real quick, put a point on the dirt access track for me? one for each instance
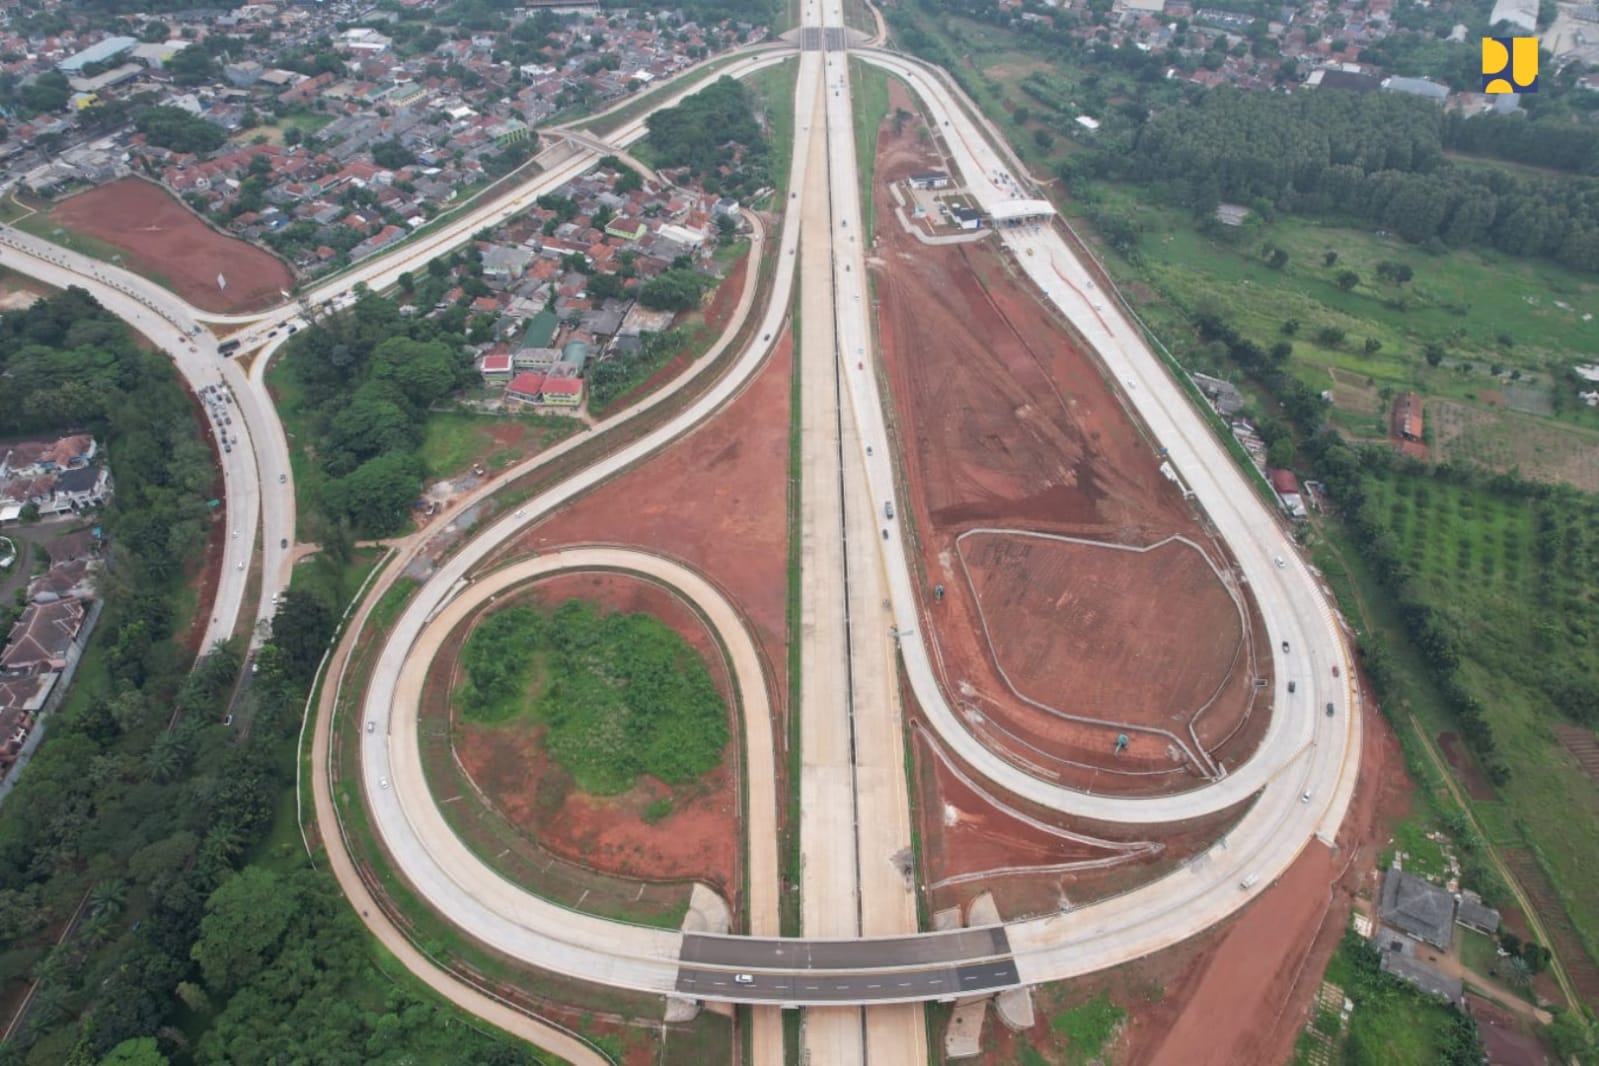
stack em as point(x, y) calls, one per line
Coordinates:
point(1007, 426)
point(161, 239)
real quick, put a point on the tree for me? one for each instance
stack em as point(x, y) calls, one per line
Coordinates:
point(1277, 258)
point(245, 921)
point(191, 66)
point(175, 128)
point(292, 136)
point(1348, 279)
point(1281, 351)
point(140, 1051)
point(1372, 346)
point(301, 630)
point(376, 497)
point(675, 290)
point(1290, 327)
point(1021, 115)
point(1434, 354)
point(1330, 336)
point(108, 897)
point(1328, 258)
point(392, 155)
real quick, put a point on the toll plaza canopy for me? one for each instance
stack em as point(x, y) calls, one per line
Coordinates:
point(1021, 210)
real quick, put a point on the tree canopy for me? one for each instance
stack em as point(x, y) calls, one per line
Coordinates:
point(175, 128)
point(1377, 156)
point(713, 133)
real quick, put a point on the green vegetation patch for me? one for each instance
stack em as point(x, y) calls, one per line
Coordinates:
point(714, 136)
point(619, 694)
point(1087, 1028)
point(1394, 1023)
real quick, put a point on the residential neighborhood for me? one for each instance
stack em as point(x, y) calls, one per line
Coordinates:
point(43, 644)
point(324, 133)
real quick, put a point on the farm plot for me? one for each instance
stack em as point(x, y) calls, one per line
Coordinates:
point(1583, 745)
point(1505, 440)
point(1568, 945)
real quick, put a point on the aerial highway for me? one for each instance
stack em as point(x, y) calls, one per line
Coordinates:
point(1300, 779)
point(1303, 773)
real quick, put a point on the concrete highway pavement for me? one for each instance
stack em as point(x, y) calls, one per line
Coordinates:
point(882, 831)
point(166, 327)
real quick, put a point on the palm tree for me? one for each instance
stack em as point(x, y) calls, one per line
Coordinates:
point(1519, 973)
point(165, 758)
point(107, 898)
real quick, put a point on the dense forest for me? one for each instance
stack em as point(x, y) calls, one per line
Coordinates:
point(713, 135)
point(1376, 157)
point(368, 376)
point(125, 885)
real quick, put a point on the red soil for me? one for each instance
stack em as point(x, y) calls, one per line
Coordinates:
point(161, 238)
point(1071, 606)
point(698, 839)
point(968, 830)
point(715, 501)
point(1256, 988)
point(1004, 422)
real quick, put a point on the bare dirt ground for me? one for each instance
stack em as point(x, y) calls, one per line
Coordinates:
point(716, 501)
point(1004, 422)
point(161, 238)
point(699, 839)
point(1071, 606)
point(1034, 860)
point(1257, 991)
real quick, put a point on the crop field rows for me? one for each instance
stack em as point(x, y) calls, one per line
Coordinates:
point(1568, 945)
point(1583, 745)
point(1454, 537)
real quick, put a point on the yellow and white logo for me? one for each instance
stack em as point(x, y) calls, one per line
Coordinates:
point(1510, 64)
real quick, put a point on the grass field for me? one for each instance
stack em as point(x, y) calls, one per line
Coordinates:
point(1087, 1027)
point(1504, 405)
point(453, 441)
point(869, 85)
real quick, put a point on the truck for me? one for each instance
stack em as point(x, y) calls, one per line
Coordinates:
point(1249, 882)
point(888, 509)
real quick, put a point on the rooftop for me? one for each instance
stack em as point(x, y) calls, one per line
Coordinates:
point(1417, 907)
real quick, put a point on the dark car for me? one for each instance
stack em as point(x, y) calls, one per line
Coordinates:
point(1329, 710)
